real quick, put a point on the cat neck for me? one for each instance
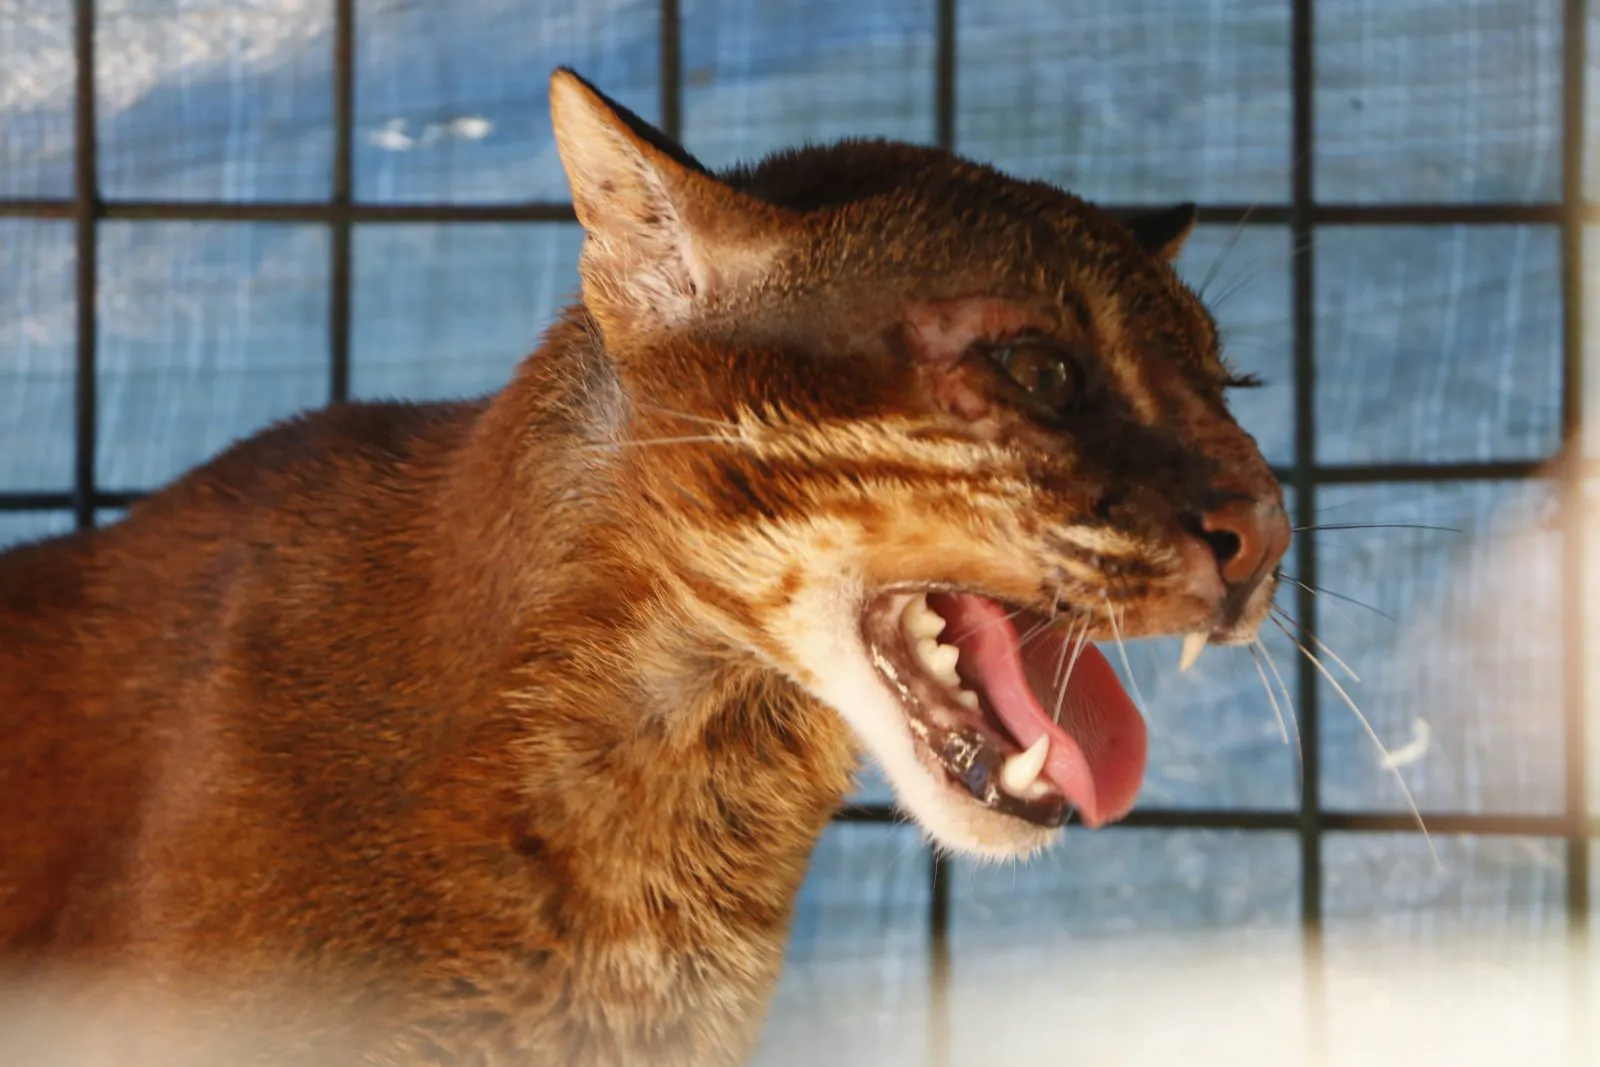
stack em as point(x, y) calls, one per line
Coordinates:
point(657, 760)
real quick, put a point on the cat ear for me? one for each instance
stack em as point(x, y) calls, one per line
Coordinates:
point(1164, 232)
point(665, 237)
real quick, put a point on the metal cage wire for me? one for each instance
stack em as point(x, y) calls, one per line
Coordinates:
point(1303, 215)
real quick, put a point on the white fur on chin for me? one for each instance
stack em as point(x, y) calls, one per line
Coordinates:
point(825, 640)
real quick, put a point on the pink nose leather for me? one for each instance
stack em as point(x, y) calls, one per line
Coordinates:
point(1248, 538)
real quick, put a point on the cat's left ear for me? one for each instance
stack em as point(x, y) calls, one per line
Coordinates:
point(665, 237)
point(1163, 233)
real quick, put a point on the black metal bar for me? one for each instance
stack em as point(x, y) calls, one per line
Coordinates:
point(1391, 214)
point(63, 501)
point(938, 959)
point(944, 74)
point(38, 209)
point(546, 211)
point(1289, 820)
point(671, 69)
point(1302, 223)
point(344, 61)
point(36, 501)
point(1574, 644)
point(85, 210)
point(1434, 214)
point(1485, 824)
point(1572, 393)
point(1492, 470)
point(292, 211)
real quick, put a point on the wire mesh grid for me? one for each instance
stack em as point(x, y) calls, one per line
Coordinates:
point(1315, 226)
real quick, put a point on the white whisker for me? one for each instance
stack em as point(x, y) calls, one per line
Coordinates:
point(1259, 268)
point(1288, 703)
point(1233, 239)
point(1127, 668)
point(1034, 631)
point(1314, 592)
point(1061, 662)
point(910, 846)
point(1077, 650)
point(1399, 778)
point(1272, 698)
point(1354, 677)
point(981, 627)
point(651, 442)
point(721, 424)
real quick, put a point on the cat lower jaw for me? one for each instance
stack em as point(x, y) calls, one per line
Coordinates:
point(853, 654)
point(958, 738)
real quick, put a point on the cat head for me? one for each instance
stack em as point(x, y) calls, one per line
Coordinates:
point(920, 435)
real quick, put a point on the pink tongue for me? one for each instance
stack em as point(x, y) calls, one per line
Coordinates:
point(1097, 752)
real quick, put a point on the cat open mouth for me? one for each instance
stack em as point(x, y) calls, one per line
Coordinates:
point(1033, 728)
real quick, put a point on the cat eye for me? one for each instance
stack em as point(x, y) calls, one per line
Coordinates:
point(1047, 372)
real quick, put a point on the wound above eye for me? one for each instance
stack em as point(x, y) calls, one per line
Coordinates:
point(942, 332)
point(941, 335)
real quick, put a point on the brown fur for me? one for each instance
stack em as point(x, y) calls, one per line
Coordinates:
point(476, 732)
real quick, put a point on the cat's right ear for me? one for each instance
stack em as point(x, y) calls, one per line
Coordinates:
point(665, 238)
point(1164, 232)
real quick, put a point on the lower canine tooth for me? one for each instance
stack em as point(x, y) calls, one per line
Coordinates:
point(1041, 788)
point(1193, 645)
point(967, 698)
point(1022, 769)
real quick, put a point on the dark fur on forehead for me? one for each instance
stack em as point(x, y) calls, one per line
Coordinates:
point(817, 177)
point(851, 172)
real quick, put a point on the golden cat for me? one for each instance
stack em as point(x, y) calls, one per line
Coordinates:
point(501, 732)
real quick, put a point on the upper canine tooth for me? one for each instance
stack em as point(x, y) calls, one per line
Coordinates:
point(1193, 645)
point(920, 620)
point(1022, 769)
point(940, 659)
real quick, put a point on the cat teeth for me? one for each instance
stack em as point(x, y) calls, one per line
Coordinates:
point(1193, 645)
point(922, 627)
point(919, 620)
point(1041, 788)
point(940, 660)
point(1021, 771)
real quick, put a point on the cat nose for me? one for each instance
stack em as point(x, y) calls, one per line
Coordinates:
point(1247, 537)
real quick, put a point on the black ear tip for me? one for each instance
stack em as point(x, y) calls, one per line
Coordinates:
point(640, 128)
point(1162, 231)
point(565, 71)
point(567, 74)
point(1184, 214)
